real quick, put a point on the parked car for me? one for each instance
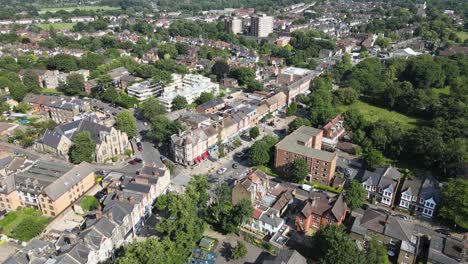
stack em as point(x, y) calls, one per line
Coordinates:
point(404, 217)
point(140, 147)
point(145, 124)
point(240, 154)
point(222, 170)
point(163, 158)
point(443, 232)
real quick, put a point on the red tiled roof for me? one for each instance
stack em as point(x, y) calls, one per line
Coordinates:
point(257, 213)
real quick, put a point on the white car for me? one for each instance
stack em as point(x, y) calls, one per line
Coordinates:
point(145, 124)
point(222, 170)
point(137, 140)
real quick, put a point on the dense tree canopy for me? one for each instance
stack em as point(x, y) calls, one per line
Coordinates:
point(355, 195)
point(125, 122)
point(83, 148)
point(454, 207)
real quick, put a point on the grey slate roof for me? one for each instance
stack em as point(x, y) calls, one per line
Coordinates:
point(60, 186)
point(270, 218)
point(93, 128)
point(119, 210)
point(390, 226)
point(446, 250)
point(286, 257)
point(385, 177)
point(304, 133)
point(51, 138)
point(212, 103)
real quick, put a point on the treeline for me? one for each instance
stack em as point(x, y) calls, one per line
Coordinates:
point(202, 5)
point(413, 87)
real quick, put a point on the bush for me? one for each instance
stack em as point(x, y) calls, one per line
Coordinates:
point(28, 228)
point(128, 152)
point(239, 251)
point(89, 203)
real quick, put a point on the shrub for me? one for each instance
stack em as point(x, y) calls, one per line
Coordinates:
point(89, 203)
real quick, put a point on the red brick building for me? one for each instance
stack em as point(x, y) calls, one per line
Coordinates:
point(305, 143)
point(321, 209)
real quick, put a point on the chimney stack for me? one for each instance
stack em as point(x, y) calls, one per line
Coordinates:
point(131, 199)
point(110, 216)
point(120, 197)
point(98, 214)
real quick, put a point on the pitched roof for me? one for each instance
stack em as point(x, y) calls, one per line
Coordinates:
point(63, 184)
point(51, 138)
point(95, 129)
point(320, 203)
point(387, 225)
point(287, 257)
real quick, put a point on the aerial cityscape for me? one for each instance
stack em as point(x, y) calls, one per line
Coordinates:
point(231, 132)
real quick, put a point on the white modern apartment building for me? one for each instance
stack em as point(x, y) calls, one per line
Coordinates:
point(190, 86)
point(144, 90)
point(233, 25)
point(261, 26)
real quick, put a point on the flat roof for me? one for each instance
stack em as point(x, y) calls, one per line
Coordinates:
point(304, 133)
point(295, 71)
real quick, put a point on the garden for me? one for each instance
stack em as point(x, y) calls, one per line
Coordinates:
point(23, 224)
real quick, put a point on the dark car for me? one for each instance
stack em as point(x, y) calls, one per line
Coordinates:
point(443, 232)
point(404, 217)
point(140, 147)
point(163, 158)
point(138, 160)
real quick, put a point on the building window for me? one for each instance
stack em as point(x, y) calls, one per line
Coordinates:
point(52, 213)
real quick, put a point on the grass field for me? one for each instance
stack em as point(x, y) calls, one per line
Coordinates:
point(373, 114)
point(58, 26)
point(463, 35)
point(444, 91)
point(12, 219)
point(71, 8)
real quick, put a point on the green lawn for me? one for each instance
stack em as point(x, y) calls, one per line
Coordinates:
point(58, 26)
point(463, 35)
point(445, 91)
point(14, 218)
point(51, 91)
point(71, 8)
point(267, 170)
point(373, 114)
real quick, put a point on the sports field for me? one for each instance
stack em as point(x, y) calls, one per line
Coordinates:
point(71, 8)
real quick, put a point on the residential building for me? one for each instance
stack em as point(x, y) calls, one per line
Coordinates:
point(61, 109)
point(253, 187)
point(233, 25)
point(265, 220)
point(320, 209)
point(381, 185)
point(447, 250)
point(295, 81)
point(144, 90)
point(212, 106)
point(190, 86)
point(191, 147)
point(332, 132)
point(110, 142)
point(276, 102)
point(47, 78)
point(305, 143)
point(52, 187)
point(261, 25)
point(395, 233)
point(286, 256)
point(283, 41)
point(420, 196)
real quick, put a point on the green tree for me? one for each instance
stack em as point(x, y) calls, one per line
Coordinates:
point(220, 69)
point(31, 81)
point(254, 132)
point(347, 96)
point(91, 61)
point(292, 109)
point(454, 205)
point(253, 86)
point(297, 123)
point(204, 97)
point(74, 84)
point(151, 108)
point(242, 74)
point(335, 247)
point(162, 129)
point(299, 171)
point(89, 203)
point(22, 107)
point(373, 159)
point(62, 62)
point(355, 195)
point(110, 95)
point(383, 42)
point(377, 252)
point(179, 102)
point(259, 153)
point(28, 228)
point(162, 76)
point(125, 122)
point(126, 101)
point(83, 148)
point(239, 251)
